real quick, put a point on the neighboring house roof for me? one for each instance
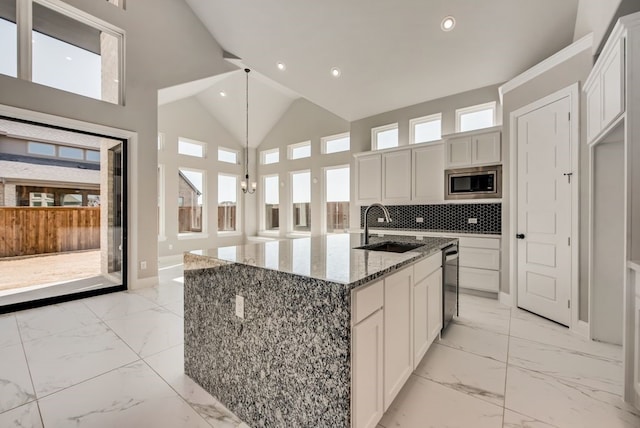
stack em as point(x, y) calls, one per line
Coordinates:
point(66, 163)
point(189, 183)
point(17, 171)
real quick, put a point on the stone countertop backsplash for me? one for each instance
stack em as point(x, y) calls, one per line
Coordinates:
point(329, 258)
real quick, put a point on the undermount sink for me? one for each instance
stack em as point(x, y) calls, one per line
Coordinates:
point(390, 247)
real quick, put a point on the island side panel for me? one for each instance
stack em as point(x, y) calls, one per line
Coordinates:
point(287, 363)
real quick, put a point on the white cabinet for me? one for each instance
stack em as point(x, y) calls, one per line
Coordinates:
point(479, 264)
point(473, 148)
point(427, 313)
point(367, 402)
point(427, 182)
point(396, 176)
point(368, 179)
point(398, 332)
point(605, 90)
point(434, 304)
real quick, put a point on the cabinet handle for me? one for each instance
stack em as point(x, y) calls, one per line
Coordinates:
point(520, 236)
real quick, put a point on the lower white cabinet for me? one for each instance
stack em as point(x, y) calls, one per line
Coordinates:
point(367, 372)
point(427, 314)
point(479, 264)
point(398, 332)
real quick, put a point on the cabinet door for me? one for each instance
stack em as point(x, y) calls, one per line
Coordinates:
point(398, 333)
point(369, 179)
point(458, 152)
point(479, 279)
point(483, 258)
point(421, 330)
point(367, 401)
point(594, 111)
point(613, 85)
point(485, 149)
point(434, 299)
point(428, 173)
point(396, 177)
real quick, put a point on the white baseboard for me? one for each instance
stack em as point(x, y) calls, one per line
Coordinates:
point(140, 283)
point(505, 299)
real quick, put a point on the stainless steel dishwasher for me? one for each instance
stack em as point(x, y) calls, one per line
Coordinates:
point(449, 284)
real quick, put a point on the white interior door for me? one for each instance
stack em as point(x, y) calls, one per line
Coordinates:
point(544, 211)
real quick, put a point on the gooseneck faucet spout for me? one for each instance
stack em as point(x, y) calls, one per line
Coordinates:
point(387, 218)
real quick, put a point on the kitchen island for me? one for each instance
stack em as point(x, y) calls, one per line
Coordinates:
point(268, 326)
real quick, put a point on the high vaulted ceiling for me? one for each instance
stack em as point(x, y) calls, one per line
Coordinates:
point(392, 53)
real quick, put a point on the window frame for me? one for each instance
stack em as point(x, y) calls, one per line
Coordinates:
point(196, 143)
point(474, 109)
point(420, 120)
point(329, 138)
point(264, 153)
point(162, 204)
point(262, 210)
point(291, 225)
point(236, 153)
point(238, 229)
point(324, 196)
point(205, 205)
point(379, 129)
point(292, 147)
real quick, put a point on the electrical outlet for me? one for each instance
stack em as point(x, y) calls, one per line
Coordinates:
point(473, 221)
point(419, 220)
point(143, 265)
point(239, 306)
point(380, 220)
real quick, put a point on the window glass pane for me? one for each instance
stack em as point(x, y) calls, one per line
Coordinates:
point(190, 200)
point(93, 200)
point(299, 152)
point(70, 153)
point(227, 198)
point(41, 149)
point(72, 200)
point(8, 38)
point(271, 201)
point(190, 148)
point(227, 156)
point(93, 155)
point(41, 200)
point(271, 156)
point(428, 131)
point(476, 120)
point(301, 186)
point(337, 185)
point(387, 139)
point(337, 145)
point(73, 56)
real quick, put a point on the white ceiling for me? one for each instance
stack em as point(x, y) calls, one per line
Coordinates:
point(392, 53)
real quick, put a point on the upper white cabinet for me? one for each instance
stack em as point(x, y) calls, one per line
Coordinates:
point(427, 181)
point(473, 148)
point(605, 89)
point(396, 176)
point(368, 179)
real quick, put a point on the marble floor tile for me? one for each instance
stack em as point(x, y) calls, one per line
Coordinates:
point(9, 334)
point(163, 294)
point(422, 404)
point(492, 318)
point(15, 382)
point(68, 358)
point(169, 365)
point(150, 331)
point(176, 307)
point(472, 374)
point(516, 420)
point(531, 327)
point(117, 305)
point(26, 416)
point(585, 369)
point(476, 340)
point(565, 404)
point(48, 320)
point(132, 396)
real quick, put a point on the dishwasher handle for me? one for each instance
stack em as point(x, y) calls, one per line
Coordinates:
point(451, 253)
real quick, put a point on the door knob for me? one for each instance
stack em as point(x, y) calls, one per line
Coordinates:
point(520, 236)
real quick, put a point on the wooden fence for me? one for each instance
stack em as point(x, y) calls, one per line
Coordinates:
point(28, 231)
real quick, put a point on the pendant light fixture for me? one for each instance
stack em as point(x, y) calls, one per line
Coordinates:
point(244, 183)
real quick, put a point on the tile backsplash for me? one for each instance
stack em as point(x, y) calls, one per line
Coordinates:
point(441, 217)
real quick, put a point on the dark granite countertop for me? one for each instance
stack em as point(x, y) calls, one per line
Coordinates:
point(330, 258)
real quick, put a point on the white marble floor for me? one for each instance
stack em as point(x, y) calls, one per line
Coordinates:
point(116, 361)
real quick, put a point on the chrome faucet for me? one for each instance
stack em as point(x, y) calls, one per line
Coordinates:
point(387, 218)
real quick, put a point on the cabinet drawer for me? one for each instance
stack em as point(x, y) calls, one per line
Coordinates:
point(479, 279)
point(480, 258)
point(466, 242)
point(367, 300)
point(424, 268)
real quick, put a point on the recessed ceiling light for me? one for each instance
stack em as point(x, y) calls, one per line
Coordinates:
point(335, 72)
point(281, 66)
point(223, 94)
point(448, 23)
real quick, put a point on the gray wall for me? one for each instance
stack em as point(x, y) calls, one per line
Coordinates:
point(303, 121)
point(189, 119)
point(575, 69)
point(594, 17)
point(166, 45)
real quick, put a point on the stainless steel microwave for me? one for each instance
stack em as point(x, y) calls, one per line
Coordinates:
point(482, 182)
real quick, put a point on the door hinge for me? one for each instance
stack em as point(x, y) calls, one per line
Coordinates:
point(569, 241)
point(569, 304)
